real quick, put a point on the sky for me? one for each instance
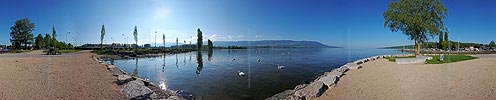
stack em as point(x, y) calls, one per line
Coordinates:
point(343, 23)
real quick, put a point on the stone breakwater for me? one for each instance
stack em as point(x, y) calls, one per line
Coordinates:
point(326, 81)
point(135, 87)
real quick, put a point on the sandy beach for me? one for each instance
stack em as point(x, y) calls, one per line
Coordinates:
point(384, 80)
point(32, 75)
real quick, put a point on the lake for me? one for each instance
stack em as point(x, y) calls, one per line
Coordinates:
point(214, 75)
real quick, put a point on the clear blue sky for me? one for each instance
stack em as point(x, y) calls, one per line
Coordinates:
point(354, 23)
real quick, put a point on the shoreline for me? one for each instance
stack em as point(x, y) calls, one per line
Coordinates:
point(154, 91)
point(382, 79)
point(326, 81)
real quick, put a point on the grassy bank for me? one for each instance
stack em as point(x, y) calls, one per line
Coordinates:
point(393, 59)
point(449, 59)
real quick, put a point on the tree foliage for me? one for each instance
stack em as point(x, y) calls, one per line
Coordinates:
point(200, 39)
point(492, 45)
point(135, 34)
point(53, 41)
point(47, 41)
point(210, 44)
point(163, 39)
point(416, 18)
point(102, 35)
point(21, 33)
point(441, 40)
point(39, 42)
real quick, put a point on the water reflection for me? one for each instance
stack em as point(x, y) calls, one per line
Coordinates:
point(199, 60)
point(177, 66)
point(210, 53)
point(135, 71)
point(163, 65)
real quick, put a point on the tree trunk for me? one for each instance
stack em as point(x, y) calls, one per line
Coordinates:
point(417, 51)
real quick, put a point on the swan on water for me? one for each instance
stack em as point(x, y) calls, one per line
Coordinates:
point(240, 73)
point(280, 66)
point(258, 60)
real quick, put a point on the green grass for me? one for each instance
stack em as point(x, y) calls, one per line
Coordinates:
point(393, 59)
point(449, 59)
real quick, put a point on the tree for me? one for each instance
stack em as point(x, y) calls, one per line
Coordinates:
point(440, 43)
point(446, 40)
point(21, 33)
point(492, 45)
point(135, 34)
point(39, 41)
point(47, 40)
point(210, 45)
point(199, 40)
point(416, 19)
point(54, 41)
point(102, 35)
point(163, 39)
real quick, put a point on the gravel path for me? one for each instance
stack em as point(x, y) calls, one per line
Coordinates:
point(30, 76)
point(384, 80)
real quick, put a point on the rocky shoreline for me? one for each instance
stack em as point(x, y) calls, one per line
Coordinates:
point(135, 87)
point(326, 81)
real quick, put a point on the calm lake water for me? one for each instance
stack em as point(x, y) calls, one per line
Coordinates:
point(214, 75)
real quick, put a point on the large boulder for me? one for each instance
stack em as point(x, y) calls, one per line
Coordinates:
point(331, 78)
point(116, 72)
point(353, 66)
point(342, 69)
point(313, 90)
point(111, 67)
point(121, 79)
point(135, 90)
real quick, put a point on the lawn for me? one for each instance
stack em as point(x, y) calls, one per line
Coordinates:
point(393, 59)
point(449, 59)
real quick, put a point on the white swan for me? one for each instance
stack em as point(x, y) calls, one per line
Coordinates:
point(280, 66)
point(240, 73)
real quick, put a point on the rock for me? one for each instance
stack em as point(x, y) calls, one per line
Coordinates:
point(329, 80)
point(175, 98)
point(111, 67)
point(343, 69)
point(116, 72)
point(185, 94)
point(281, 96)
point(300, 86)
point(121, 79)
point(134, 90)
point(145, 82)
point(358, 62)
point(311, 91)
point(353, 66)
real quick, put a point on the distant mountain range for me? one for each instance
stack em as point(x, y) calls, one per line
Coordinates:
point(274, 43)
point(261, 43)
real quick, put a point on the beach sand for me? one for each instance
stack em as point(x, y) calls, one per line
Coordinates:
point(384, 80)
point(32, 75)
